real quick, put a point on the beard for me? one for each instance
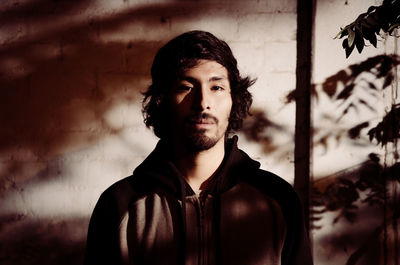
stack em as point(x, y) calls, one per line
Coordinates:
point(197, 141)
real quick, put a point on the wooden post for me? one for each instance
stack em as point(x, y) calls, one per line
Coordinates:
point(303, 132)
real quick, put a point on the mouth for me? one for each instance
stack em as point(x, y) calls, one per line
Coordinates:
point(202, 121)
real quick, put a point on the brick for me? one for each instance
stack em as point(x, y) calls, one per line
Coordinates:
point(136, 28)
point(91, 57)
point(267, 27)
point(22, 60)
point(138, 56)
point(125, 87)
point(124, 94)
point(219, 22)
point(249, 56)
point(63, 82)
point(280, 57)
point(282, 6)
point(12, 30)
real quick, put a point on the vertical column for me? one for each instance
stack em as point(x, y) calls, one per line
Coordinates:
point(302, 152)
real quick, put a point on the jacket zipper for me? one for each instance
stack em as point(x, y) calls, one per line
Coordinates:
point(202, 238)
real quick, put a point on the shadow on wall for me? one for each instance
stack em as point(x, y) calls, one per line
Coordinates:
point(40, 242)
point(61, 72)
point(361, 203)
point(356, 210)
point(59, 77)
point(364, 207)
point(258, 128)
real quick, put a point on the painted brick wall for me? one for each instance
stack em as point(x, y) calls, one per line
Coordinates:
point(355, 234)
point(71, 78)
point(72, 73)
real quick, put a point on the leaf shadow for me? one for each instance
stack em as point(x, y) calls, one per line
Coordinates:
point(61, 79)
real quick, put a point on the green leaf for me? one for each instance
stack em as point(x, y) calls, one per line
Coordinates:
point(359, 42)
point(351, 37)
point(369, 34)
point(345, 43)
point(372, 20)
point(373, 40)
point(385, 17)
point(346, 47)
point(371, 9)
point(343, 32)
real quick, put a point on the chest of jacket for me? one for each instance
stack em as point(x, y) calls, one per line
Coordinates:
point(241, 226)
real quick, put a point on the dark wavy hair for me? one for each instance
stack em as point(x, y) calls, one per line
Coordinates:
point(181, 53)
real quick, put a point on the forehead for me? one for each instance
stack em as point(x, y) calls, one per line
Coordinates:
point(204, 68)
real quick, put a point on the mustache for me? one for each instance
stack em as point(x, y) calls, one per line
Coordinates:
point(201, 118)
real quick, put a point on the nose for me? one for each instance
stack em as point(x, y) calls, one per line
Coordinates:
point(201, 99)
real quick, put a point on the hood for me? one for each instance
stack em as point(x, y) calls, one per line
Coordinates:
point(159, 171)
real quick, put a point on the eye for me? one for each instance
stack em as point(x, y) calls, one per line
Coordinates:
point(183, 87)
point(217, 88)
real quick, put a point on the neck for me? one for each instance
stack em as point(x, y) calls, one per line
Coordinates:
point(198, 167)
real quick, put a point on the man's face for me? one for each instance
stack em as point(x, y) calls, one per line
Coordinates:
point(200, 102)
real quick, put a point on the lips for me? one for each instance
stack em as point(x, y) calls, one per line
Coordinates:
point(202, 119)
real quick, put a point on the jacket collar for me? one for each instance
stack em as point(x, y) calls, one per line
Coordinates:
point(158, 169)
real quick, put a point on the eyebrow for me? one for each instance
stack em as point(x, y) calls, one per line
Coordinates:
point(213, 78)
point(217, 78)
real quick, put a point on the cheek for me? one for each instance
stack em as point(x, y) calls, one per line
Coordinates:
point(175, 104)
point(180, 102)
point(226, 108)
point(178, 99)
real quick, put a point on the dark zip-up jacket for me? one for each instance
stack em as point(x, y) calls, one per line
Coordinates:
point(246, 216)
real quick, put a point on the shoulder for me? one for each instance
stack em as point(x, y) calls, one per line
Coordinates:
point(275, 187)
point(122, 193)
point(296, 248)
point(270, 183)
point(121, 188)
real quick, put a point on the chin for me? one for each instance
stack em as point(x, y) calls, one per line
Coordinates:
point(198, 142)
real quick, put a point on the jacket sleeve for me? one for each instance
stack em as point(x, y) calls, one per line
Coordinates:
point(296, 249)
point(102, 246)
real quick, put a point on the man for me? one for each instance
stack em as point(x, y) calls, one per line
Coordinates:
point(197, 198)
